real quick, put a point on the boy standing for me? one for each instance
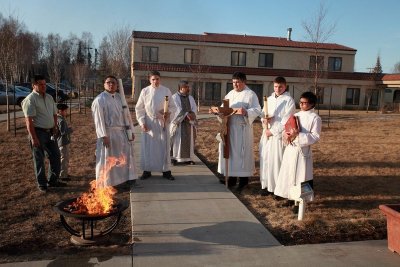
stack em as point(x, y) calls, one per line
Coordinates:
point(280, 107)
point(63, 140)
point(297, 162)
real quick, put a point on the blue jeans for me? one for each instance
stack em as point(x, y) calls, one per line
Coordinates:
point(50, 149)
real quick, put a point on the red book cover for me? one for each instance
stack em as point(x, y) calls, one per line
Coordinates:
point(292, 123)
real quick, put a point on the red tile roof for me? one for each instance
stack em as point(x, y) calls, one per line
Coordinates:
point(391, 77)
point(249, 71)
point(237, 39)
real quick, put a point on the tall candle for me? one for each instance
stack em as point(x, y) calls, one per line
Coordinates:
point(166, 104)
point(265, 107)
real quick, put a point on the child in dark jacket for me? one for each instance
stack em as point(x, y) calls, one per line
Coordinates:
point(63, 140)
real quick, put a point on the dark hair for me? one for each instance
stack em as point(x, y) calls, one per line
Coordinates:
point(182, 83)
point(239, 76)
point(111, 77)
point(38, 77)
point(62, 106)
point(280, 79)
point(154, 73)
point(311, 98)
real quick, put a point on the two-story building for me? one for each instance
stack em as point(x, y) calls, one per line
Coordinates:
point(208, 61)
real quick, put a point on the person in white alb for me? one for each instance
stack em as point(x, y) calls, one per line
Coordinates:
point(154, 122)
point(280, 107)
point(297, 162)
point(183, 125)
point(241, 153)
point(115, 159)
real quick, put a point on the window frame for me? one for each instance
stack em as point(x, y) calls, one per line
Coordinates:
point(332, 61)
point(237, 58)
point(266, 61)
point(149, 53)
point(354, 100)
point(320, 62)
point(192, 59)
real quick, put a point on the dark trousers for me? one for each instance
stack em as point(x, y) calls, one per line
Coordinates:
point(50, 149)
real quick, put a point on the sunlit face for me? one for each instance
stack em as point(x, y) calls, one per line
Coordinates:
point(279, 88)
point(64, 112)
point(185, 90)
point(154, 81)
point(304, 104)
point(110, 85)
point(238, 85)
point(40, 86)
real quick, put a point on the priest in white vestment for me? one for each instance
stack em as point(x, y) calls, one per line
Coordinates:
point(115, 159)
point(280, 107)
point(183, 126)
point(241, 153)
point(154, 122)
point(297, 162)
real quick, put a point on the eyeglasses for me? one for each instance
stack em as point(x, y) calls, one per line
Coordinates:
point(303, 103)
point(110, 82)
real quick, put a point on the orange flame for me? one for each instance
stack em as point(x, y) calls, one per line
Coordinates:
point(99, 200)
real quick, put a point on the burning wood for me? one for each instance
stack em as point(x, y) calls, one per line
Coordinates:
point(99, 200)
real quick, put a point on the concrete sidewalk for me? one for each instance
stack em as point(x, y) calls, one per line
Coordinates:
point(196, 221)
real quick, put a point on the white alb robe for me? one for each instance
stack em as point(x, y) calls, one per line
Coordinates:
point(109, 121)
point(155, 144)
point(241, 152)
point(177, 120)
point(297, 162)
point(271, 149)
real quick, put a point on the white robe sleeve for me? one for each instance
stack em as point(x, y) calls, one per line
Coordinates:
point(290, 107)
point(309, 138)
point(254, 109)
point(140, 108)
point(99, 120)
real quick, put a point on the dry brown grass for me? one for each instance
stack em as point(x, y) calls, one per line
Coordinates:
point(29, 228)
point(356, 168)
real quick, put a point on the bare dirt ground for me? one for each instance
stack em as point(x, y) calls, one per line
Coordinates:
point(356, 168)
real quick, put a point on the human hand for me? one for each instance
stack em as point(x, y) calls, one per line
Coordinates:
point(144, 128)
point(268, 133)
point(241, 111)
point(106, 141)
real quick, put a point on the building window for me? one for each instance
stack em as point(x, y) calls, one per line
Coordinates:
point(149, 54)
point(212, 91)
point(372, 96)
point(353, 96)
point(192, 56)
point(316, 64)
point(266, 60)
point(238, 58)
point(334, 64)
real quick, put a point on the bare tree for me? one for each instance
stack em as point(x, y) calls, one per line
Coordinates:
point(396, 68)
point(318, 31)
point(53, 48)
point(9, 50)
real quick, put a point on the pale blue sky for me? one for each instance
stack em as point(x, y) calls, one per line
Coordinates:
point(371, 27)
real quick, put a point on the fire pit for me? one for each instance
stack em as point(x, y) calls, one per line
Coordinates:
point(88, 234)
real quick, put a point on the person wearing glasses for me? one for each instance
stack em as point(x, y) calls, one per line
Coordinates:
point(154, 110)
point(41, 122)
point(115, 159)
point(280, 107)
point(297, 161)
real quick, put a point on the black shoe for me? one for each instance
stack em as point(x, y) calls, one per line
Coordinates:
point(221, 180)
point(174, 162)
point(191, 163)
point(243, 182)
point(56, 184)
point(295, 209)
point(168, 175)
point(43, 189)
point(288, 203)
point(278, 198)
point(264, 192)
point(232, 181)
point(145, 175)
